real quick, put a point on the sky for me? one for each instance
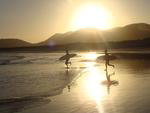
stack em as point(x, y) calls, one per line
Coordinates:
point(37, 20)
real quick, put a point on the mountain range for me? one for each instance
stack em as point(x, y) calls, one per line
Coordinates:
point(130, 32)
point(135, 35)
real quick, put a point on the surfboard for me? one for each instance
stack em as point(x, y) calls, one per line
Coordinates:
point(111, 57)
point(67, 56)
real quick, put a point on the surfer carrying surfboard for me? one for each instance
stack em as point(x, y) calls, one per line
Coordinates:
point(67, 58)
point(107, 59)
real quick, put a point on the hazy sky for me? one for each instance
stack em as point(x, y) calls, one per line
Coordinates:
point(36, 20)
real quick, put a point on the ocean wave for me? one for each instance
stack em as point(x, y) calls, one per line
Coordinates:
point(27, 60)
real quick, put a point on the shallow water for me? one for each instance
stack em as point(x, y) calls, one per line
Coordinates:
point(40, 83)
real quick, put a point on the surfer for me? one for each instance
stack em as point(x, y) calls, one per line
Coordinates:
point(67, 58)
point(107, 59)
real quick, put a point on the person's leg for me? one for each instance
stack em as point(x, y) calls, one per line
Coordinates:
point(111, 65)
point(66, 62)
point(69, 62)
point(105, 66)
point(107, 76)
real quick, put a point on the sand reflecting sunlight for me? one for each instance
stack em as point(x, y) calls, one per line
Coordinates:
point(90, 55)
point(93, 77)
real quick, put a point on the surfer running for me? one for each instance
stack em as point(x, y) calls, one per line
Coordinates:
point(107, 58)
point(67, 59)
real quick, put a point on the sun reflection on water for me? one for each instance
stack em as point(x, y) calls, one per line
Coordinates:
point(90, 55)
point(93, 77)
point(93, 83)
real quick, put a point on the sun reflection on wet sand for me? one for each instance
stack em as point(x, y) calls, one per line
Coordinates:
point(94, 75)
point(90, 55)
point(93, 83)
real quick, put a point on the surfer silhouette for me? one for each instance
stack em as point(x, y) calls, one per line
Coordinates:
point(107, 59)
point(109, 82)
point(67, 58)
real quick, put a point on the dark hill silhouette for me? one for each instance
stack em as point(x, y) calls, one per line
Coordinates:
point(89, 35)
point(10, 43)
point(86, 35)
point(130, 36)
point(129, 32)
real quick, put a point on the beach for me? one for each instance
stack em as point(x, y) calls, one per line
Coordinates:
point(40, 83)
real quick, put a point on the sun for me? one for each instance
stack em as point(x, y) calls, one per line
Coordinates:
point(92, 16)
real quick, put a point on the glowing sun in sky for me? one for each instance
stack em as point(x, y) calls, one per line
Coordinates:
point(92, 16)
